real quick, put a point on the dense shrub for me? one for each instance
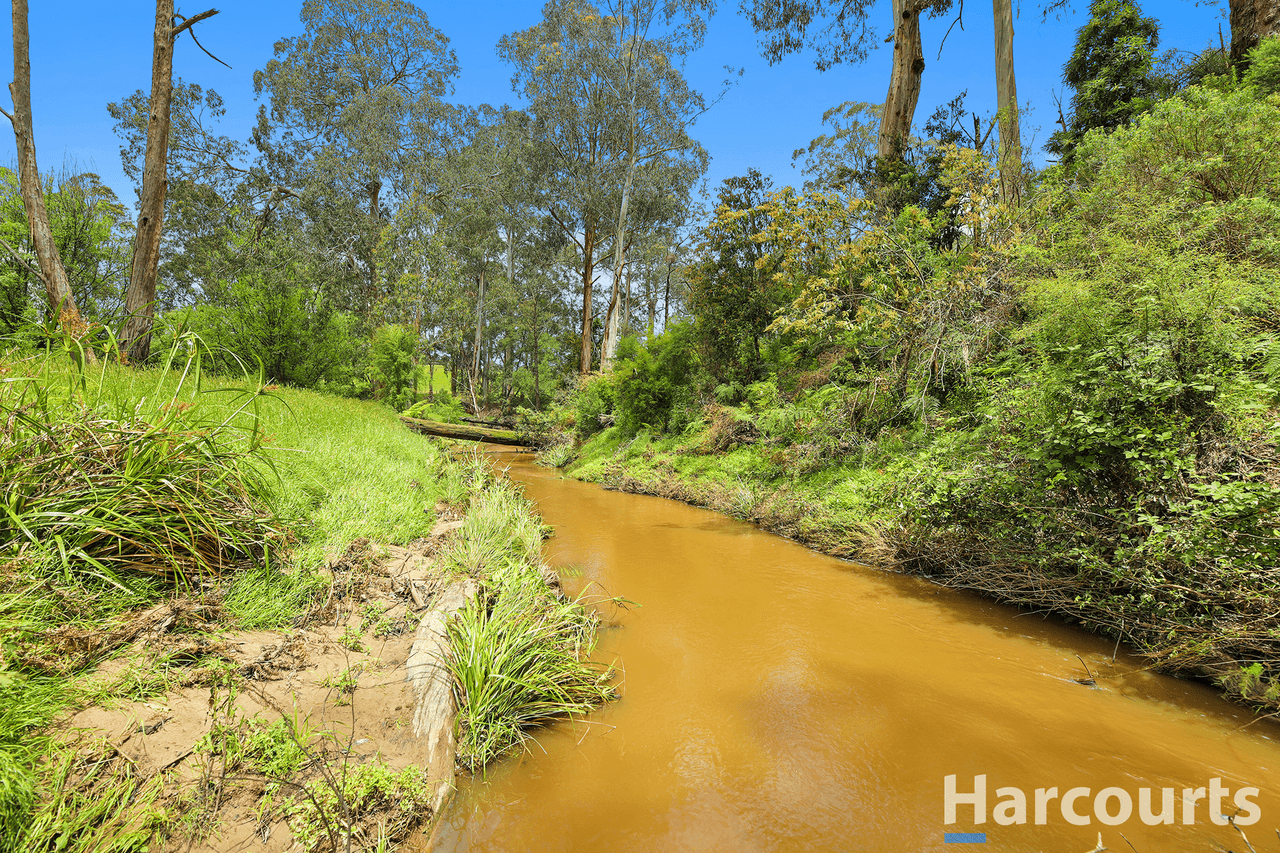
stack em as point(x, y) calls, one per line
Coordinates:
point(391, 355)
point(650, 378)
point(593, 405)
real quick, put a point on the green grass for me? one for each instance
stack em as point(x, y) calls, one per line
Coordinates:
point(517, 652)
point(134, 488)
point(341, 468)
point(127, 487)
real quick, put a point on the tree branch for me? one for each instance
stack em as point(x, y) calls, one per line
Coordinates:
point(188, 23)
point(24, 261)
point(959, 20)
point(206, 53)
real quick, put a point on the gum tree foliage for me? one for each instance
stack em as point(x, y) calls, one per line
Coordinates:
point(209, 190)
point(658, 107)
point(580, 71)
point(832, 160)
point(353, 102)
point(1111, 72)
point(197, 153)
point(91, 231)
point(484, 205)
point(732, 291)
point(844, 163)
point(839, 31)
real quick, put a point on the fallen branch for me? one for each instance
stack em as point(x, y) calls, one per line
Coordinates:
point(434, 710)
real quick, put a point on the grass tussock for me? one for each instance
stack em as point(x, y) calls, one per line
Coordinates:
point(111, 499)
point(518, 664)
point(518, 651)
point(170, 506)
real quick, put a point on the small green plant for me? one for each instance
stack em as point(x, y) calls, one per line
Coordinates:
point(344, 682)
point(364, 807)
point(352, 639)
point(278, 750)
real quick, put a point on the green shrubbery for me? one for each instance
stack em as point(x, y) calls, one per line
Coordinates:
point(654, 381)
point(593, 405)
point(442, 407)
point(1073, 408)
point(391, 355)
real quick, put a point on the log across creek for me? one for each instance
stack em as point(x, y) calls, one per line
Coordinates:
point(466, 432)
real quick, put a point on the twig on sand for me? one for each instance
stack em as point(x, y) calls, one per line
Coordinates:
point(1232, 820)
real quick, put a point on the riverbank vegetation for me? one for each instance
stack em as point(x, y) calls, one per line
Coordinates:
point(1070, 405)
point(198, 575)
point(1057, 386)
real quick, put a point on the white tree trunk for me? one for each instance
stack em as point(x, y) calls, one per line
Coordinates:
point(1010, 154)
point(610, 345)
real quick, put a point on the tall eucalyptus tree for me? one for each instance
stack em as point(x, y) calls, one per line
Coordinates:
point(658, 106)
point(1010, 155)
point(140, 301)
point(351, 103)
point(607, 100)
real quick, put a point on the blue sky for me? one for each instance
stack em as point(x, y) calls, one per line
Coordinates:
point(86, 54)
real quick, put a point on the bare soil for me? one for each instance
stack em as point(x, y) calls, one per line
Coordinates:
point(339, 678)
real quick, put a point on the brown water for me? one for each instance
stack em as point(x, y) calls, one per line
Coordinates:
point(774, 699)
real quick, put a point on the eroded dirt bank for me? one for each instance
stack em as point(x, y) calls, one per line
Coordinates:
point(267, 712)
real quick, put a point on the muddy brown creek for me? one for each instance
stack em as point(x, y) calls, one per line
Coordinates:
point(775, 699)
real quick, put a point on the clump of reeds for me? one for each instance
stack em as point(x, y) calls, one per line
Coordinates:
point(113, 498)
point(518, 652)
point(517, 662)
point(119, 491)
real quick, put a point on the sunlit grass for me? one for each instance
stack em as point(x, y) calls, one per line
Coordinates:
point(126, 487)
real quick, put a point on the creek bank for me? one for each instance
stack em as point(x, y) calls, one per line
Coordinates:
point(342, 729)
point(253, 746)
point(1235, 645)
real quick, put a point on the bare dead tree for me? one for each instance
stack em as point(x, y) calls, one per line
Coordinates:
point(52, 274)
point(135, 338)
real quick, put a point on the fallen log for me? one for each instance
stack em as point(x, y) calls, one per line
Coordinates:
point(466, 432)
point(484, 423)
point(428, 670)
